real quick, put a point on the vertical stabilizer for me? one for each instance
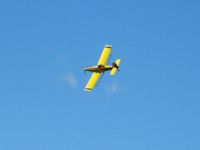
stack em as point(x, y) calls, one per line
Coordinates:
point(115, 67)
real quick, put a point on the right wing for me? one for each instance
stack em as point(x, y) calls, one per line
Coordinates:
point(91, 83)
point(104, 56)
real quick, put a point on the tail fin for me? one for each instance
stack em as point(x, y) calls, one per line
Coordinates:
point(115, 67)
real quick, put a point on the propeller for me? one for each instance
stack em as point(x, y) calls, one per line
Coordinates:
point(84, 70)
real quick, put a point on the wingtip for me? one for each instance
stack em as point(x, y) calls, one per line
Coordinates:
point(87, 90)
point(108, 46)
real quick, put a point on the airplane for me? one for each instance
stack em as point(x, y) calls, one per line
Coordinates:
point(101, 67)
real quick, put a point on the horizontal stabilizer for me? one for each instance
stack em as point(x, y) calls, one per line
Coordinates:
point(115, 67)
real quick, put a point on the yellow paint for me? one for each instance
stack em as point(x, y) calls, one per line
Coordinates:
point(113, 71)
point(104, 56)
point(91, 83)
point(101, 67)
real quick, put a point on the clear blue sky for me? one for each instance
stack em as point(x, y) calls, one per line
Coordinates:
point(153, 103)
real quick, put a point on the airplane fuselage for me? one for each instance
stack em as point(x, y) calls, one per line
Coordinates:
point(98, 68)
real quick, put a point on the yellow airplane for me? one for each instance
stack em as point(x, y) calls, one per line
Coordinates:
point(101, 67)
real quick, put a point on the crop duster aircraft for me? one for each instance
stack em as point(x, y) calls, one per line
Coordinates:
point(101, 67)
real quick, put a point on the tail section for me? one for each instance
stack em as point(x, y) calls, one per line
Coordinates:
point(115, 67)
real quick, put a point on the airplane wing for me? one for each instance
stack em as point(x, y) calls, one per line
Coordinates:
point(91, 83)
point(104, 56)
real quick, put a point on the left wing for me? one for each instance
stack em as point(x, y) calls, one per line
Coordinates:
point(91, 83)
point(104, 56)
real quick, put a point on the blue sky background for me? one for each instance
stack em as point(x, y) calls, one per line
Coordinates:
point(152, 103)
